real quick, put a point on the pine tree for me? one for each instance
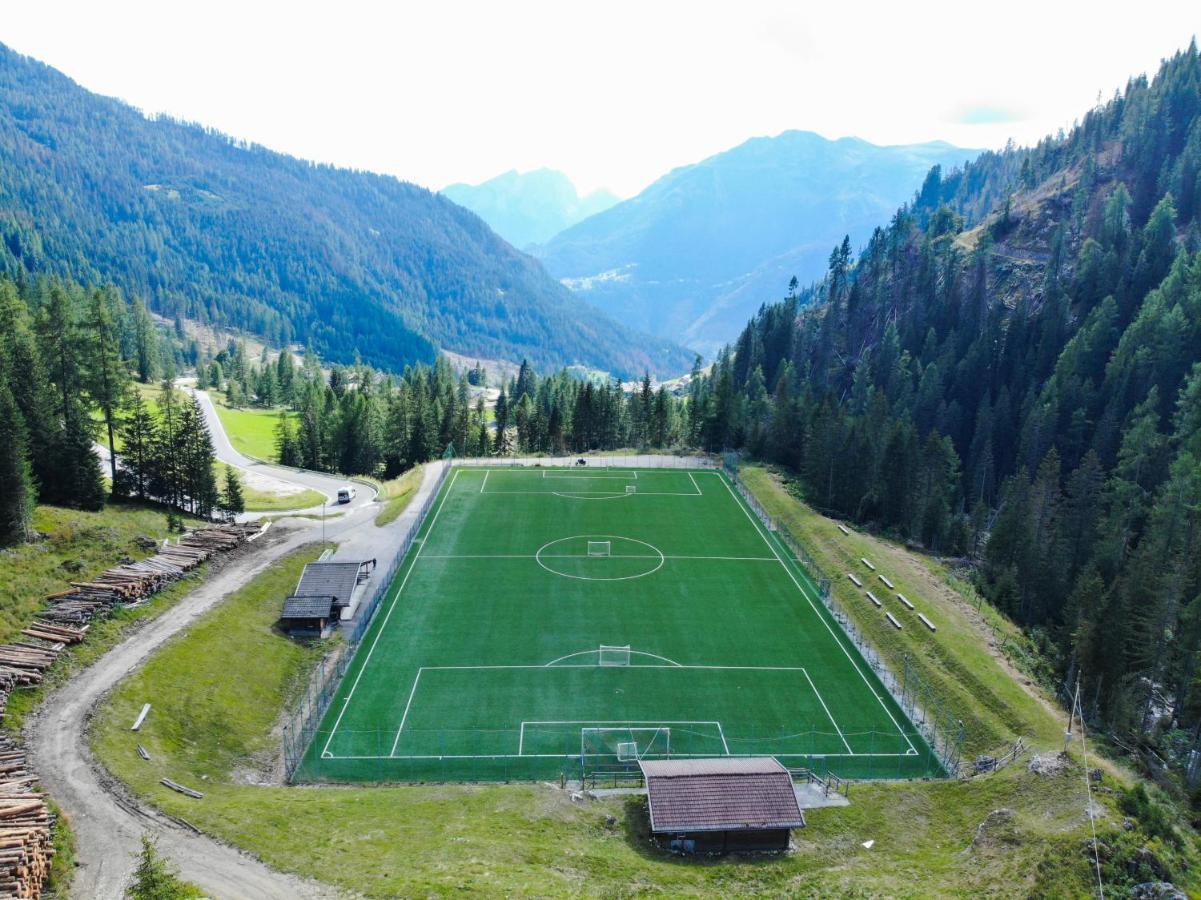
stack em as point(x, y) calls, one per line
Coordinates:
point(106, 377)
point(139, 434)
point(17, 495)
point(233, 503)
point(77, 479)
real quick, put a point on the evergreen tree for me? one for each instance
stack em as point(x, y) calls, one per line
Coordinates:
point(233, 502)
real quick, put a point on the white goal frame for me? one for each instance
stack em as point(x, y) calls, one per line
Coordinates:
point(629, 744)
point(600, 548)
point(613, 655)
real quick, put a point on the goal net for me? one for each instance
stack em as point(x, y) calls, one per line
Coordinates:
point(622, 744)
point(631, 488)
point(610, 655)
point(599, 548)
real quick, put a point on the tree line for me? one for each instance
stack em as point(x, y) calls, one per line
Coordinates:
point(359, 421)
point(69, 358)
point(1011, 372)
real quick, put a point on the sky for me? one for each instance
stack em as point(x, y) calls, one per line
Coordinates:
point(613, 93)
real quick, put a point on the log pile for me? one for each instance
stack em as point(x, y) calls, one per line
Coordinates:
point(25, 820)
point(25, 823)
point(65, 619)
point(131, 582)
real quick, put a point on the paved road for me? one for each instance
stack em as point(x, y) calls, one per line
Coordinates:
point(108, 822)
point(317, 481)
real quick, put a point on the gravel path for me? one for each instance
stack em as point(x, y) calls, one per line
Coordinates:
point(108, 821)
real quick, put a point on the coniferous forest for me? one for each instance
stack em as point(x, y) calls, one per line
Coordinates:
point(206, 228)
point(69, 358)
point(1011, 372)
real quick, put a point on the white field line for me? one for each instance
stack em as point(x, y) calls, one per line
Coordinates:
point(388, 615)
point(602, 495)
point(546, 474)
point(755, 521)
point(484, 483)
point(617, 722)
point(403, 718)
point(694, 484)
point(586, 556)
point(630, 724)
point(674, 755)
point(828, 713)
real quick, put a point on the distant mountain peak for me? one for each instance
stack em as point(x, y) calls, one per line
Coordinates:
point(704, 246)
point(527, 208)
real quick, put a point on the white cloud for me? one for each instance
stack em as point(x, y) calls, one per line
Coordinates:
point(614, 93)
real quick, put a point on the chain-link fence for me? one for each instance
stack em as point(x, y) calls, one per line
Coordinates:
point(645, 461)
point(347, 756)
point(323, 683)
point(914, 696)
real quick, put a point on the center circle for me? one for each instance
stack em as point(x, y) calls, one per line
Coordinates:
point(600, 557)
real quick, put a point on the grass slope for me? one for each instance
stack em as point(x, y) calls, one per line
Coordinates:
point(76, 545)
point(396, 495)
point(216, 689)
point(961, 663)
point(250, 430)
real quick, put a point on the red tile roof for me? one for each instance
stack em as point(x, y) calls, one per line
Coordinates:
point(721, 794)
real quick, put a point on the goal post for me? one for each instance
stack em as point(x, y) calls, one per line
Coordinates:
point(624, 744)
point(600, 548)
point(612, 655)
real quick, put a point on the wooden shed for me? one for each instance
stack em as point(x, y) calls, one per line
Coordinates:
point(324, 590)
point(722, 804)
point(309, 616)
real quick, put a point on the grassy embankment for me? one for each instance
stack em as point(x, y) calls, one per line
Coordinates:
point(76, 546)
point(251, 429)
point(395, 495)
point(216, 690)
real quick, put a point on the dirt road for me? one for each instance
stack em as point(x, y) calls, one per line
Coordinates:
point(107, 820)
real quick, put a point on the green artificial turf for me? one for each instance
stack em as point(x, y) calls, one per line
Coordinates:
point(483, 661)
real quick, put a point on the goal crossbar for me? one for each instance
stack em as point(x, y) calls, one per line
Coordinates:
point(625, 743)
point(613, 655)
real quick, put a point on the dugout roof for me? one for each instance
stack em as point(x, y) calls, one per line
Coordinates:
point(329, 579)
point(720, 794)
point(308, 608)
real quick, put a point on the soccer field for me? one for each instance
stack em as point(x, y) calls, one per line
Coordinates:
point(547, 619)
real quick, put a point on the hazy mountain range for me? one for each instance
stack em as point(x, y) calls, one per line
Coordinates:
point(529, 207)
point(697, 252)
point(231, 234)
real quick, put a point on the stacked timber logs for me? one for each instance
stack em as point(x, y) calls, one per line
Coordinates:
point(64, 620)
point(131, 582)
point(25, 823)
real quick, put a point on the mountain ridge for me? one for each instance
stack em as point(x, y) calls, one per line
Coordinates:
point(209, 228)
point(695, 253)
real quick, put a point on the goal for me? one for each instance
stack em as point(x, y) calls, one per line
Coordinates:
point(599, 548)
point(631, 488)
point(611, 655)
point(623, 744)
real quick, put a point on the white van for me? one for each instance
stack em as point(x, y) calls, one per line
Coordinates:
point(346, 494)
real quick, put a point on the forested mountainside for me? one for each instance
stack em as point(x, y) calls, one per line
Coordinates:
point(694, 254)
point(207, 228)
point(529, 207)
point(1012, 371)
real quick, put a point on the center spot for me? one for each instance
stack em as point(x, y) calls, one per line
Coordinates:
point(600, 557)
